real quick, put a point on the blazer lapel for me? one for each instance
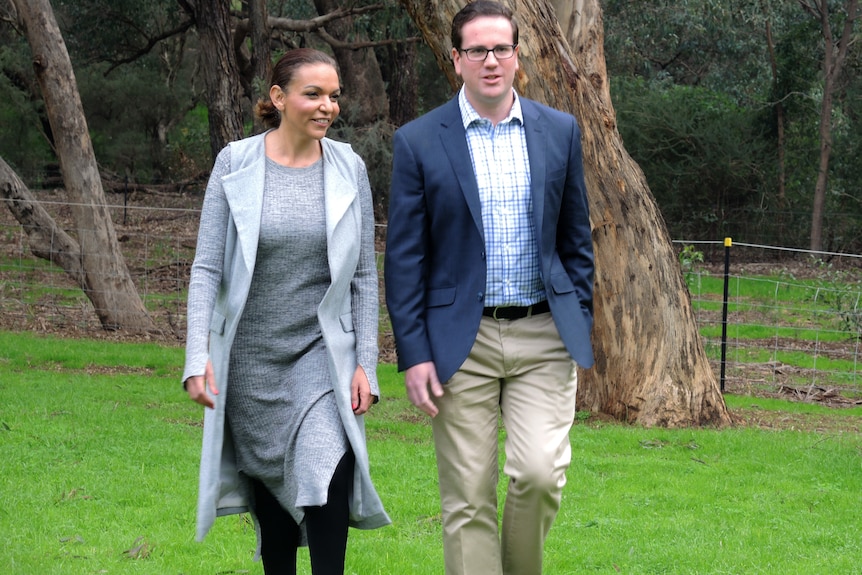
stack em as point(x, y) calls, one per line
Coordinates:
point(454, 140)
point(537, 143)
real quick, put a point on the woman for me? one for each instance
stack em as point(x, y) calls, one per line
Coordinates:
point(282, 327)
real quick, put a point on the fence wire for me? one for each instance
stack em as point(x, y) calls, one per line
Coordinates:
point(792, 321)
point(794, 317)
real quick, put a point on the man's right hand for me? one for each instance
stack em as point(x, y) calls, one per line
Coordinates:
point(418, 380)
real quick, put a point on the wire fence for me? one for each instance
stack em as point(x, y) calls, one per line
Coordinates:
point(791, 321)
point(787, 320)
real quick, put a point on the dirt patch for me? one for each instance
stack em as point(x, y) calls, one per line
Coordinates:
point(756, 416)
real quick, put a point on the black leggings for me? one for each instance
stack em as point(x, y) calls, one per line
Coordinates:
point(326, 527)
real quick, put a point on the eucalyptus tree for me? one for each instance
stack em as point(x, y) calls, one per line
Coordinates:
point(220, 68)
point(691, 82)
point(837, 25)
point(231, 44)
point(94, 258)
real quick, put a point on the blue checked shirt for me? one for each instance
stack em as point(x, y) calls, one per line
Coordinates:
point(502, 168)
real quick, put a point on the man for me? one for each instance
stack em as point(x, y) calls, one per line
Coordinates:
point(489, 280)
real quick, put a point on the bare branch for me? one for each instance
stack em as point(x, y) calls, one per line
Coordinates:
point(336, 43)
point(151, 43)
point(813, 9)
point(10, 16)
point(116, 185)
point(313, 24)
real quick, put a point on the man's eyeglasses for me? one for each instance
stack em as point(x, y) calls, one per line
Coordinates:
point(501, 52)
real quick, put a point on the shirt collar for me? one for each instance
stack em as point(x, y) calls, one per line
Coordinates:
point(470, 115)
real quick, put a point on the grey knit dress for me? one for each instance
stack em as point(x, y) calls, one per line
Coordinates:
point(281, 408)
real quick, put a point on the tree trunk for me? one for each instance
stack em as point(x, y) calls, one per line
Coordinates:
point(571, 15)
point(98, 266)
point(825, 132)
point(833, 62)
point(365, 99)
point(260, 55)
point(47, 240)
point(651, 366)
point(221, 73)
point(781, 204)
point(403, 85)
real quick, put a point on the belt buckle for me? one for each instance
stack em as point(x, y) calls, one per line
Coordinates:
point(529, 313)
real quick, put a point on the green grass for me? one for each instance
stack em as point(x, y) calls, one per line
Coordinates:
point(744, 331)
point(767, 312)
point(99, 449)
point(65, 295)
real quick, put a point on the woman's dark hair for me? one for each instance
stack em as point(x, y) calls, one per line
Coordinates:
point(282, 73)
point(478, 9)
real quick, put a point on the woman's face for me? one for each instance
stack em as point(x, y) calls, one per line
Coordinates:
point(309, 103)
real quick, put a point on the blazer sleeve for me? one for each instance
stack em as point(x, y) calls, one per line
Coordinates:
point(574, 237)
point(405, 262)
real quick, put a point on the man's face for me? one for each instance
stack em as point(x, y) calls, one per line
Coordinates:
point(488, 84)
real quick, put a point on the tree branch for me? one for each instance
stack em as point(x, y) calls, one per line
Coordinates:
point(151, 43)
point(336, 43)
point(814, 10)
point(46, 239)
point(313, 24)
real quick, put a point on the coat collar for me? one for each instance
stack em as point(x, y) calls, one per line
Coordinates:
point(243, 189)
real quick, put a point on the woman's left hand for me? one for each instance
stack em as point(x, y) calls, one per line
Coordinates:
point(360, 392)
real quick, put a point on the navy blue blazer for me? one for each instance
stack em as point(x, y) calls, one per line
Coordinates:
point(435, 250)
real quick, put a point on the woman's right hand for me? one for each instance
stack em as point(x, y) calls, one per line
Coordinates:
point(196, 386)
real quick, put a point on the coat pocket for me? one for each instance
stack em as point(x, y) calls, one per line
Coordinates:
point(440, 297)
point(217, 323)
point(562, 283)
point(346, 320)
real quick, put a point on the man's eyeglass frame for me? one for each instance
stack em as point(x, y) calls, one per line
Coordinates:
point(472, 54)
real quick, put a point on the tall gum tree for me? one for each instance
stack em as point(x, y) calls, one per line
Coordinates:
point(834, 57)
point(221, 72)
point(651, 367)
point(93, 259)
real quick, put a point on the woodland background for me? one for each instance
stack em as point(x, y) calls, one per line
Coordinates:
point(730, 119)
point(720, 103)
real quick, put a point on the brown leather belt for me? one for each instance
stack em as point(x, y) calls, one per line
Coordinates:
point(516, 312)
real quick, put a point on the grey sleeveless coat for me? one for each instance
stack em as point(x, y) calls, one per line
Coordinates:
point(347, 332)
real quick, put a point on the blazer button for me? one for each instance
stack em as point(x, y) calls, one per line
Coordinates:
point(480, 296)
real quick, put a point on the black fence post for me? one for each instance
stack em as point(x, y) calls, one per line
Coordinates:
point(727, 243)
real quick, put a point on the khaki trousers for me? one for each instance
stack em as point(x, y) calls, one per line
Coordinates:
point(518, 370)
